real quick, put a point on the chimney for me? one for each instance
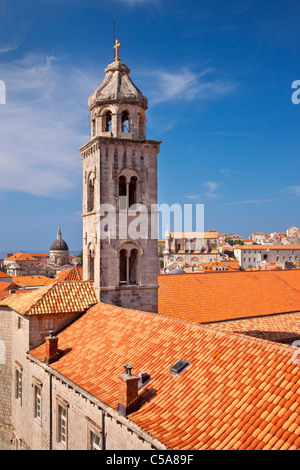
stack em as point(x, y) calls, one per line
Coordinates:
point(128, 392)
point(51, 348)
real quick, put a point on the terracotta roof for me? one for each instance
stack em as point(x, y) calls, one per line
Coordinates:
point(21, 256)
point(2, 274)
point(30, 280)
point(237, 393)
point(267, 247)
point(226, 295)
point(71, 274)
point(283, 328)
point(6, 286)
point(59, 297)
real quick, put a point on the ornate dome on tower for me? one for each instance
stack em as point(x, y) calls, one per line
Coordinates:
point(117, 86)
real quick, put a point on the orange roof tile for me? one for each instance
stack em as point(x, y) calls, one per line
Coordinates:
point(30, 280)
point(2, 274)
point(59, 297)
point(21, 256)
point(283, 328)
point(230, 397)
point(216, 296)
point(70, 274)
point(267, 247)
point(6, 286)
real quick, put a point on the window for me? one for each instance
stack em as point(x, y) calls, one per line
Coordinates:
point(125, 121)
point(90, 192)
point(128, 188)
point(128, 265)
point(93, 127)
point(122, 193)
point(20, 323)
point(133, 266)
point(91, 263)
point(132, 190)
point(62, 425)
point(106, 123)
point(49, 324)
point(95, 441)
point(18, 385)
point(37, 402)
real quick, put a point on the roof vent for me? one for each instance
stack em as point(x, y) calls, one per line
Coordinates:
point(144, 378)
point(179, 367)
point(127, 368)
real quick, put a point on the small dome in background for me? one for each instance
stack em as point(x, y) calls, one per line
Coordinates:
point(59, 244)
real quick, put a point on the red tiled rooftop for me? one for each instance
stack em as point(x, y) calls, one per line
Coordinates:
point(217, 296)
point(28, 281)
point(2, 274)
point(58, 297)
point(71, 274)
point(283, 328)
point(266, 247)
point(21, 256)
point(234, 395)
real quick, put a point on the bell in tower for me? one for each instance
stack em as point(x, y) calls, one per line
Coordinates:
point(120, 182)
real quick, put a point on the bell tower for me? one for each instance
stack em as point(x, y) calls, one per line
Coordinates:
point(120, 194)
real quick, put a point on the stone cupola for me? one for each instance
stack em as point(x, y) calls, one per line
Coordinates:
point(117, 105)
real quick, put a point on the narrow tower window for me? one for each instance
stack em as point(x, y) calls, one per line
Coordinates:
point(93, 127)
point(133, 267)
point(132, 190)
point(91, 264)
point(107, 122)
point(123, 267)
point(122, 193)
point(90, 193)
point(125, 121)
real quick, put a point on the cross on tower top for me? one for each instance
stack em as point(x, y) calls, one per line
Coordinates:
point(116, 47)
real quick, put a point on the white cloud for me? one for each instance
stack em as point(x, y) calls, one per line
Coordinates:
point(40, 126)
point(13, 45)
point(294, 191)
point(210, 189)
point(251, 201)
point(187, 85)
point(133, 3)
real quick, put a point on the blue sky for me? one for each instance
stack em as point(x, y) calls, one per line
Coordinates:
point(218, 77)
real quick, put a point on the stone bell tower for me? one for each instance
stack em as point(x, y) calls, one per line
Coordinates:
point(120, 194)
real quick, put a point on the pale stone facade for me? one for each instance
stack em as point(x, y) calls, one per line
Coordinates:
point(33, 393)
point(250, 256)
point(119, 177)
point(192, 248)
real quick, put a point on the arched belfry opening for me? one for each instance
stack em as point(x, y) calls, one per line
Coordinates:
point(125, 122)
point(107, 122)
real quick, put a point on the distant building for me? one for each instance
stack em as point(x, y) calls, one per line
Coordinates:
point(191, 248)
point(250, 256)
point(40, 264)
